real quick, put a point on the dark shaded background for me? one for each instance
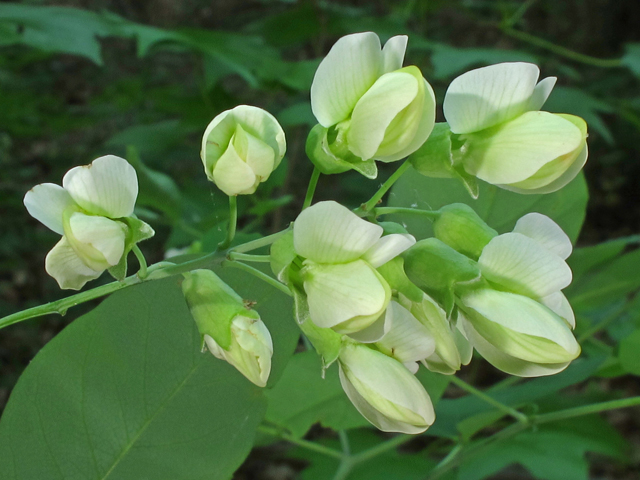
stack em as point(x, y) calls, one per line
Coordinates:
point(60, 110)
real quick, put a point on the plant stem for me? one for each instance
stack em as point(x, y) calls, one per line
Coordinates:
point(301, 442)
point(395, 442)
point(233, 220)
point(614, 315)
point(512, 430)
point(519, 13)
point(521, 417)
point(344, 442)
point(260, 242)
point(373, 201)
point(311, 189)
point(142, 273)
point(257, 273)
point(562, 51)
point(346, 462)
point(430, 214)
point(249, 258)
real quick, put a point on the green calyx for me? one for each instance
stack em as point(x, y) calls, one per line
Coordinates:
point(460, 227)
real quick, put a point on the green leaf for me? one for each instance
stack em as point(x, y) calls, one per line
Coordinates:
point(124, 392)
point(629, 353)
point(302, 398)
point(499, 208)
point(631, 58)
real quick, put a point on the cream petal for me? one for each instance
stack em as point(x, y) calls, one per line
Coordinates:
point(507, 363)
point(388, 247)
point(376, 109)
point(516, 150)
point(559, 304)
point(541, 92)
point(488, 96)
point(327, 232)
point(522, 315)
point(257, 154)
point(546, 232)
point(232, 175)
point(64, 264)
point(46, 202)
point(522, 265)
point(105, 235)
point(350, 68)
point(108, 186)
point(393, 53)
point(337, 293)
point(373, 332)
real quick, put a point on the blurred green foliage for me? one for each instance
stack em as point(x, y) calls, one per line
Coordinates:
point(79, 79)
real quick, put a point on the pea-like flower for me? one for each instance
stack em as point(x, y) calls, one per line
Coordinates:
point(384, 391)
point(230, 330)
point(341, 253)
point(506, 140)
point(93, 211)
point(240, 149)
point(520, 321)
point(367, 105)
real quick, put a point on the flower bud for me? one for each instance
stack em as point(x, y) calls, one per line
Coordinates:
point(384, 391)
point(506, 140)
point(240, 149)
point(369, 106)
point(516, 334)
point(460, 227)
point(231, 331)
point(93, 211)
point(341, 253)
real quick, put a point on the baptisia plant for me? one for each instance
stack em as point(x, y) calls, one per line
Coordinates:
point(240, 149)
point(504, 139)
point(229, 328)
point(340, 253)
point(93, 211)
point(367, 105)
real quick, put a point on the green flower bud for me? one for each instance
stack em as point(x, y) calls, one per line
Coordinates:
point(93, 211)
point(240, 149)
point(506, 140)
point(460, 227)
point(371, 107)
point(384, 391)
point(231, 331)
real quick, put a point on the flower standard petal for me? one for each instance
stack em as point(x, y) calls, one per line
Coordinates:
point(559, 304)
point(349, 296)
point(327, 232)
point(64, 264)
point(46, 202)
point(522, 265)
point(108, 186)
point(376, 110)
point(541, 92)
point(352, 65)
point(393, 53)
point(546, 232)
point(488, 96)
point(388, 247)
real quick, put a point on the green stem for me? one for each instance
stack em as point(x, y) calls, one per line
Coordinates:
point(301, 442)
point(344, 442)
point(373, 201)
point(466, 453)
point(346, 462)
point(258, 274)
point(521, 417)
point(562, 51)
point(395, 442)
point(260, 242)
point(615, 315)
point(519, 13)
point(142, 273)
point(249, 258)
point(313, 183)
point(430, 214)
point(233, 220)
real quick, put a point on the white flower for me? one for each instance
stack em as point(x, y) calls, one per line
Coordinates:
point(342, 252)
point(508, 141)
point(240, 149)
point(384, 391)
point(92, 211)
point(381, 110)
